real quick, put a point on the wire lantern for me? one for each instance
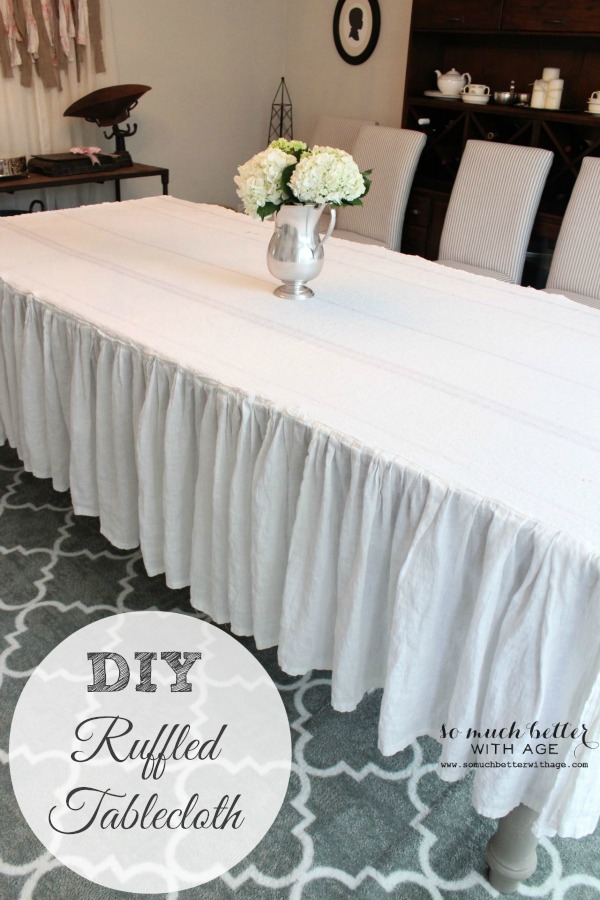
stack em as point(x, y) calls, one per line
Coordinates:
point(281, 115)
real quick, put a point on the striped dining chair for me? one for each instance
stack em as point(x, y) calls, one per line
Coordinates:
point(575, 267)
point(392, 154)
point(492, 207)
point(337, 131)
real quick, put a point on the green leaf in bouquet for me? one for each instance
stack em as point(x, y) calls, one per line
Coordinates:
point(285, 179)
point(267, 210)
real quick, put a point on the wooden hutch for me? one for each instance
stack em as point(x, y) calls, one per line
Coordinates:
point(498, 42)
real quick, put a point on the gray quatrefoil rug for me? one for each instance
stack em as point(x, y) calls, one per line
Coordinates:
point(354, 823)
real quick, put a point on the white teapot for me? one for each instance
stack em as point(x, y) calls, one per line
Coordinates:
point(452, 82)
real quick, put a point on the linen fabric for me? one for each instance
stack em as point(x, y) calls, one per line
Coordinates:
point(393, 153)
point(492, 207)
point(575, 266)
point(398, 480)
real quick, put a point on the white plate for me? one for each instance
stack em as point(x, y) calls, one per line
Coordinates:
point(439, 96)
point(480, 99)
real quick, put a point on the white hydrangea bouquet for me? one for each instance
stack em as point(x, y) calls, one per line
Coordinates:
point(288, 173)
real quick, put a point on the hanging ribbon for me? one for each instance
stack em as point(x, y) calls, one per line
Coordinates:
point(83, 29)
point(66, 28)
point(51, 33)
point(13, 35)
point(48, 19)
point(33, 37)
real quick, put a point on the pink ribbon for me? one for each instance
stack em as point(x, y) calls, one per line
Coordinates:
point(88, 151)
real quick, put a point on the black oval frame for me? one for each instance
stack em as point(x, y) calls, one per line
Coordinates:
point(374, 36)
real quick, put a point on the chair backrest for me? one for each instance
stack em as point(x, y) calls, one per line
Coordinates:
point(492, 208)
point(575, 266)
point(336, 131)
point(392, 154)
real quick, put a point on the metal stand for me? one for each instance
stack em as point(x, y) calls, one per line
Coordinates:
point(511, 852)
point(120, 134)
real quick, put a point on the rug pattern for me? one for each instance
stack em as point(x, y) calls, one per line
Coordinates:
point(354, 823)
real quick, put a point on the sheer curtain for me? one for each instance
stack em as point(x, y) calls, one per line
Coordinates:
point(32, 119)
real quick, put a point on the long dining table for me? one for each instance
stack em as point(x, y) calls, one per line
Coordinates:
point(397, 480)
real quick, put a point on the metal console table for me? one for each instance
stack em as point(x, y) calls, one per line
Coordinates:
point(37, 182)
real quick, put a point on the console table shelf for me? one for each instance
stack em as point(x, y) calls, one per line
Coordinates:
point(35, 182)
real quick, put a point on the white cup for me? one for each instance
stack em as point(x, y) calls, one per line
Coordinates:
point(594, 103)
point(479, 90)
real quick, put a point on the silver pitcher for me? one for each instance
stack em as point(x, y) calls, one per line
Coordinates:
point(295, 253)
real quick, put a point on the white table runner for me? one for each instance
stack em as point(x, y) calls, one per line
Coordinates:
point(398, 480)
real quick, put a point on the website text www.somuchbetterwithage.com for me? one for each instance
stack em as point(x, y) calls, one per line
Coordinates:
point(510, 764)
point(534, 743)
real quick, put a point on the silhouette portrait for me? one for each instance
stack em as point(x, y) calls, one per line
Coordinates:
point(356, 26)
point(356, 22)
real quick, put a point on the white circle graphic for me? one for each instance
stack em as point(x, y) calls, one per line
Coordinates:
point(150, 752)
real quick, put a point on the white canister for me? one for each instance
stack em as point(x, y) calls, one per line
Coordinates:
point(554, 93)
point(538, 94)
point(550, 74)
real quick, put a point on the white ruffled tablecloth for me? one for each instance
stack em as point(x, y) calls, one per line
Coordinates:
point(398, 480)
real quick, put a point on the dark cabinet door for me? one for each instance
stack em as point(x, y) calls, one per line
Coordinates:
point(423, 223)
point(574, 16)
point(457, 15)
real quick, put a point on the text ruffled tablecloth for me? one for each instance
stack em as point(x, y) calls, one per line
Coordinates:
point(398, 480)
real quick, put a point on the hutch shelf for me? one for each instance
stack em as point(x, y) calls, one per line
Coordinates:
point(500, 42)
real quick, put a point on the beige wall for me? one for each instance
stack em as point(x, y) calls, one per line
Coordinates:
point(319, 80)
point(214, 67)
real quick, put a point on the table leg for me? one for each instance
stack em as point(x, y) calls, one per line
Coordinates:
point(117, 189)
point(165, 182)
point(511, 852)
